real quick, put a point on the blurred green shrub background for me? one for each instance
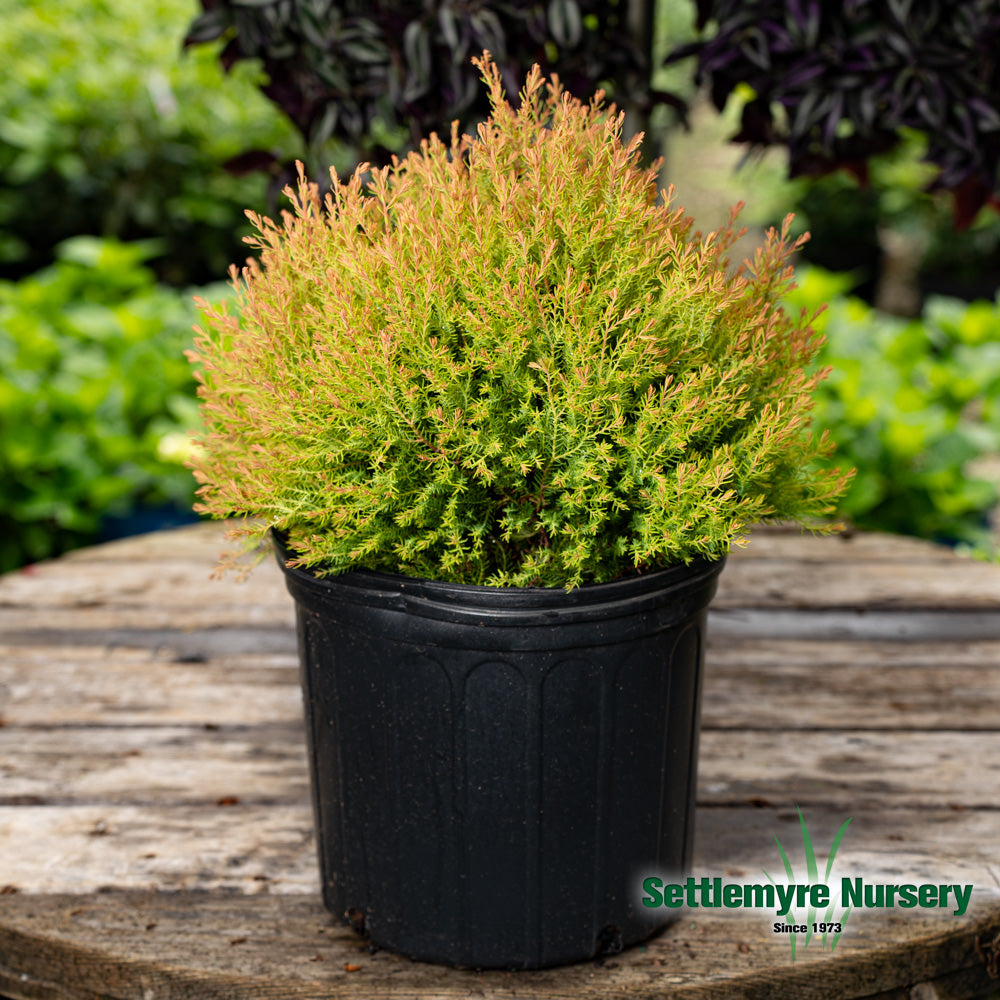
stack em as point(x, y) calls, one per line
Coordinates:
point(107, 129)
point(912, 329)
point(913, 404)
point(109, 133)
point(96, 396)
point(116, 208)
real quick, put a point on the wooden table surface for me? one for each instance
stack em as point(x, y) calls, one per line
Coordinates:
point(155, 828)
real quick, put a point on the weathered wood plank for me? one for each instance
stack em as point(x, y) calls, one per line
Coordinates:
point(125, 625)
point(760, 684)
point(242, 847)
point(269, 628)
point(962, 984)
point(105, 687)
point(204, 542)
point(118, 659)
point(759, 653)
point(162, 764)
point(750, 580)
point(789, 583)
point(839, 625)
point(865, 546)
point(266, 763)
point(167, 584)
point(851, 768)
point(251, 848)
point(201, 947)
point(750, 684)
point(40, 624)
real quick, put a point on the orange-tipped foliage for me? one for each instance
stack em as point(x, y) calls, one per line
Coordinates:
point(508, 363)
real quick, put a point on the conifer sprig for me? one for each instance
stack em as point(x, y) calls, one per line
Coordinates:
point(504, 362)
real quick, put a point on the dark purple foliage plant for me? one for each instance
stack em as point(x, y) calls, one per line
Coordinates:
point(839, 81)
point(375, 74)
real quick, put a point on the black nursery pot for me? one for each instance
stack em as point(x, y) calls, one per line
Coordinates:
point(494, 769)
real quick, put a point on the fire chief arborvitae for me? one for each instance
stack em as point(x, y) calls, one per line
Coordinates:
point(506, 362)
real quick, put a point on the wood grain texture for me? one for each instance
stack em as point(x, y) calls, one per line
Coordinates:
point(201, 947)
point(267, 764)
point(869, 585)
point(253, 848)
point(156, 835)
point(752, 684)
point(758, 684)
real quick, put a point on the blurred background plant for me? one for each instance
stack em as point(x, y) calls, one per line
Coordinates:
point(105, 129)
point(96, 398)
point(126, 165)
point(835, 82)
point(913, 405)
point(108, 134)
point(365, 79)
point(876, 123)
point(878, 106)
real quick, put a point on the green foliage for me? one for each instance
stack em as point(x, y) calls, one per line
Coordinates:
point(508, 365)
point(910, 404)
point(105, 128)
point(95, 396)
point(845, 217)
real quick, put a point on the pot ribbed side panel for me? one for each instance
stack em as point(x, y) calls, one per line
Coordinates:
point(496, 810)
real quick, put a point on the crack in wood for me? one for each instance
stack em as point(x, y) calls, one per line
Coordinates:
point(836, 624)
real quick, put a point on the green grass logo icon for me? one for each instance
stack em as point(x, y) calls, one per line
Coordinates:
point(812, 878)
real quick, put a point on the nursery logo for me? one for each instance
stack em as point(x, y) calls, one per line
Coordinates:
point(816, 895)
point(810, 909)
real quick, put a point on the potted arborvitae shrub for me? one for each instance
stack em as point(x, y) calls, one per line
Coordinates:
point(504, 416)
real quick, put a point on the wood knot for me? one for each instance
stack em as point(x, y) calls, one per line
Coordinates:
point(989, 952)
